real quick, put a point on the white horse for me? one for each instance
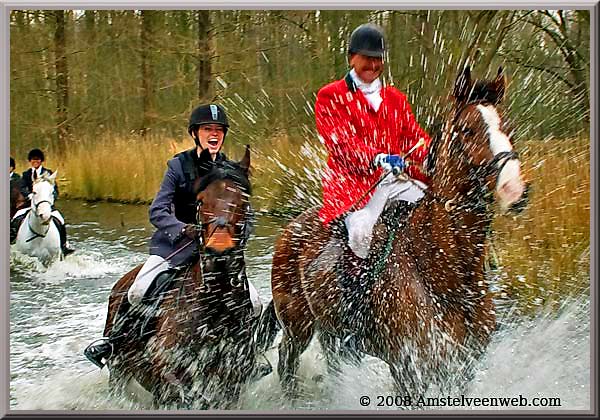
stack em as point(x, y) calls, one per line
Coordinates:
point(38, 236)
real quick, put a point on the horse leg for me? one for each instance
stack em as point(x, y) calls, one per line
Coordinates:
point(290, 349)
point(331, 351)
point(408, 380)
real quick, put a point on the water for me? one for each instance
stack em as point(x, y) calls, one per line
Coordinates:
point(56, 312)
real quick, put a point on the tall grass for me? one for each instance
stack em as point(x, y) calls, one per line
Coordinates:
point(544, 254)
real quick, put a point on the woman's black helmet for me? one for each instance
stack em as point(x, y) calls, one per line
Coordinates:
point(208, 114)
point(35, 154)
point(367, 40)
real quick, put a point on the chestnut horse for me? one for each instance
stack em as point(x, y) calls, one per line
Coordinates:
point(200, 349)
point(422, 290)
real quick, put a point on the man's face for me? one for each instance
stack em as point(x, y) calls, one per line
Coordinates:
point(367, 68)
point(35, 163)
point(211, 137)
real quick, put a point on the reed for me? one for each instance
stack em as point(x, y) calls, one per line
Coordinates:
point(544, 253)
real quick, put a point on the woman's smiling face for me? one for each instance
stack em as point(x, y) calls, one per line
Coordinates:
point(211, 137)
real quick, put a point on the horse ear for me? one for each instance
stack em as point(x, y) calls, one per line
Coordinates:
point(498, 85)
point(245, 162)
point(463, 85)
point(52, 178)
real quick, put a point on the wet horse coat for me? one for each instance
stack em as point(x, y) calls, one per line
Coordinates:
point(423, 291)
point(200, 349)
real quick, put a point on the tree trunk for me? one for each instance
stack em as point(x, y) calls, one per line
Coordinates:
point(62, 83)
point(204, 53)
point(146, 69)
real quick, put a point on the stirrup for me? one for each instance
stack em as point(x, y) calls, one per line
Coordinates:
point(97, 358)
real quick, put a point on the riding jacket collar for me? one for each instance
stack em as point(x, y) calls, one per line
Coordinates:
point(371, 91)
point(366, 88)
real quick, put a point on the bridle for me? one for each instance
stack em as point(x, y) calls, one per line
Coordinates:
point(220, 222)
point(34, 210)
point(233, 255)
point(477, 172)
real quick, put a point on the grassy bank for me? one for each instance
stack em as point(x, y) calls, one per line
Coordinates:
point(543, 253)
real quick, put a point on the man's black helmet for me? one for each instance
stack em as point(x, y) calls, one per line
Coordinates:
point(35, 154)
point(367, 40)
point(208, 114)
point(12, 163)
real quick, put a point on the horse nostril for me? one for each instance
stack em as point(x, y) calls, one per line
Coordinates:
point(520, 205)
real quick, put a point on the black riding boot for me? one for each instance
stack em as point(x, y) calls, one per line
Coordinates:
point(14, 227)
point(62, 231)
point(101, 350)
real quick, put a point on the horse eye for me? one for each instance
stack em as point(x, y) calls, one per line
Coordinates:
point(467, 132)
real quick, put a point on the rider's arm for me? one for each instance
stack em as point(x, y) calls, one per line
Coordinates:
point(161, 209)
point(410, 134)
point(334, 124)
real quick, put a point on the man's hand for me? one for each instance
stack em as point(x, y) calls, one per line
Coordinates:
point(393, 163)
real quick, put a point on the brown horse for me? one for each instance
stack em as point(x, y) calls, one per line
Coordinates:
point(17, 200)
point(197, 350)
point(421, 291)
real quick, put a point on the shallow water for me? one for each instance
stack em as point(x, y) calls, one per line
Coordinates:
point(56, 312)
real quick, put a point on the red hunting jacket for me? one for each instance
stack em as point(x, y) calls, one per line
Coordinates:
point(354, 134)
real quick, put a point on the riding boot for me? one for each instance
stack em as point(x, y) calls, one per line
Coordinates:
point(14, 227)
point(100, 351)
point(350, 269)
point(64, 244)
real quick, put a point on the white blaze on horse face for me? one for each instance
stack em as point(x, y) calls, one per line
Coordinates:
point(509, 185)
point(43, 199)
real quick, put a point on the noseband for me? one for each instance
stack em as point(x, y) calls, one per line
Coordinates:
point(36, 205)
point(476, 172)
point(220, 222)
point(37, 234)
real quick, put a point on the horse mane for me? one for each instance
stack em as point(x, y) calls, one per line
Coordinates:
point(222, 170)
point(485, 91)
point(481, 91)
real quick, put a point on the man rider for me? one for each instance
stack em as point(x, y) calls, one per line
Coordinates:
point(36, 158)
point(367, 128)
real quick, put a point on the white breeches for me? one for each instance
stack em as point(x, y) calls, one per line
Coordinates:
point(361, 222)
point(59, 216)
point(55, 213)
point(155, 265)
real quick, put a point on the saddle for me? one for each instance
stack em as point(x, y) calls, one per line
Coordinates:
point(356, 275)
point(142, 318)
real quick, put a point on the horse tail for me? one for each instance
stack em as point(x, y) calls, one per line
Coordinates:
point(268, 327)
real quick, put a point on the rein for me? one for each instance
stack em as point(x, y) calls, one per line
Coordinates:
point(33, 212)
point(491, 168)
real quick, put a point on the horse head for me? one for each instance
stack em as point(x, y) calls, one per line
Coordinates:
point(476, 147)
point(223, 205)
point(42, 197)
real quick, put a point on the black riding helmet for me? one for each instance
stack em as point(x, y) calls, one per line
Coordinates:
point(367, 40)
point(35, 154)
point(208, 114)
